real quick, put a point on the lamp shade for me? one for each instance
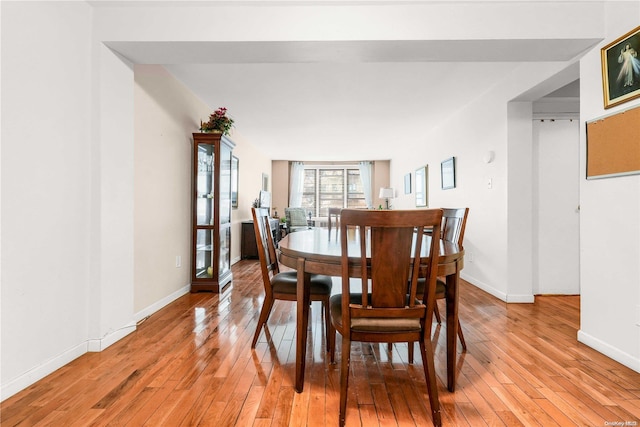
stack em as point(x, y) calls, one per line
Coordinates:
point(386, 193)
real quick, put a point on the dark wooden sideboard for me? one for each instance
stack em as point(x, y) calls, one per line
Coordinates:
point(248, 246)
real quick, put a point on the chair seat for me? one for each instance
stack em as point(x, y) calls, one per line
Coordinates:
point(369, 324)
point(286, 282)
point(440, 288)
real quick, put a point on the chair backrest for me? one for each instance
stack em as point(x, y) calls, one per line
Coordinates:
point(390, 236)
point(266, 247)
point(454, 221)
point(296, 218)
point(334, 218)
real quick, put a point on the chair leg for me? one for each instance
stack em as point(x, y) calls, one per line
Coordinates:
point(344, 377)
point(332, 345)
point(410, 346)
point(426, 350)
point(437, 313)
point(461, 336)
point(327, 324)
point(264, 315)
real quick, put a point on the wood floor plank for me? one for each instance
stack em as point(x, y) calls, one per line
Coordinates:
point(190, 364)
point(250, 406)
point(282, 413)
point(200, 398)
point(478, 401)
point(317, 400)
point(300, 407)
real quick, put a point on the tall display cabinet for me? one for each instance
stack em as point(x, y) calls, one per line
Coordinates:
point(211, 220)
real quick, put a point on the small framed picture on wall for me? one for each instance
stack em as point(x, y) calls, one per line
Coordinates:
point(235, 163)
point(448, 173)
point(407, 183)
point(422, 186)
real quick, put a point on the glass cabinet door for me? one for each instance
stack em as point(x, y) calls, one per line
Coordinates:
point(225, 184)
point(225, 209)
point(204, 254)
point(204, 185)
point(225, 251)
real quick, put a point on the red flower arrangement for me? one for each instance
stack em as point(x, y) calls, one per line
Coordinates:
point(218, 122)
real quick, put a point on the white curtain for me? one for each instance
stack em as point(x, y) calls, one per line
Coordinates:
point(366, 172)
point(296, 184)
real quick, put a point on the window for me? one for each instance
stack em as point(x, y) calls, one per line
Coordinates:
point(332, 187)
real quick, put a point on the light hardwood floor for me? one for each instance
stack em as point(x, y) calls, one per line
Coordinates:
point(191, 364)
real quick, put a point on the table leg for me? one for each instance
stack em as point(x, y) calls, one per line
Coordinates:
point(303, 297)
point(452, 328)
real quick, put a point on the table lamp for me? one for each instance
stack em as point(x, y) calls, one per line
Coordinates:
point(386, 193)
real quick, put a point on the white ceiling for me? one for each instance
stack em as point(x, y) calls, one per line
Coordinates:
point(342, 100)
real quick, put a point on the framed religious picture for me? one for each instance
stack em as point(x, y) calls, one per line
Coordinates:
point(621, 69)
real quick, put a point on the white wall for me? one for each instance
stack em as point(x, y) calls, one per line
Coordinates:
point(609, 223)
point(67, 221)
point(46, 189)
point(78, 267)
point(252, 164)
point(498, 238)
point(166, 114)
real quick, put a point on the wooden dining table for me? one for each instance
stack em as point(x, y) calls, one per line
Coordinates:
point(317, 251)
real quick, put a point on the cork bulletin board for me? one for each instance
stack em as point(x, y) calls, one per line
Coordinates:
point(613, 145)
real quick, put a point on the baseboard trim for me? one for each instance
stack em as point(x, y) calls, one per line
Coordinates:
point(144, 313)
point(521, 299)
point(485, 287)
point(509, 298)
point(39, 372)
point(99, 344)
point(626, 359)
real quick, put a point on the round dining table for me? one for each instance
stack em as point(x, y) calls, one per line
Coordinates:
point(317, 251)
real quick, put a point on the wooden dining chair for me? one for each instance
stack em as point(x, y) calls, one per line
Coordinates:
point(382, 311)
point(454, 221)
point(333, 218)
point(283, 285)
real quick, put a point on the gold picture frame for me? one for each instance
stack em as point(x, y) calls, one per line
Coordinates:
point(621, 69)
